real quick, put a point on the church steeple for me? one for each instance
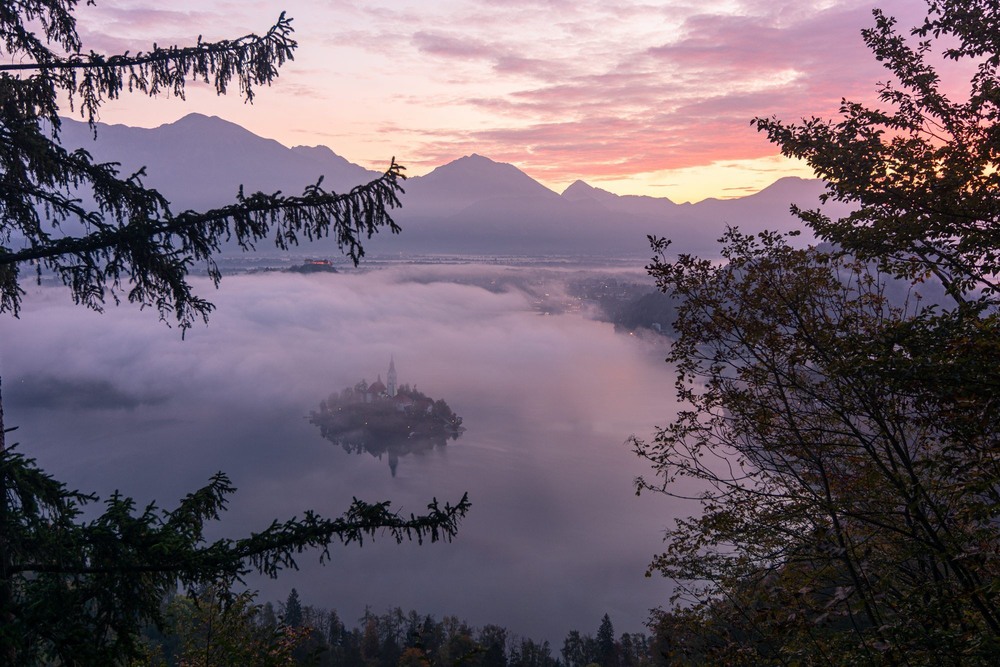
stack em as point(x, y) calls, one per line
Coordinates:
point(391, 377)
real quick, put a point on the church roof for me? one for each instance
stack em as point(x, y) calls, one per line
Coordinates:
point(377, 387)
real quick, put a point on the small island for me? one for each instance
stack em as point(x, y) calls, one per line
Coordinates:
point(386, 419)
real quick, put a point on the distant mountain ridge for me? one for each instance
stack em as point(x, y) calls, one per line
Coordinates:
point(470, 205)
point(200, 161)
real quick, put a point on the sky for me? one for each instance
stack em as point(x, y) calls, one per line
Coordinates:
point(637, 97)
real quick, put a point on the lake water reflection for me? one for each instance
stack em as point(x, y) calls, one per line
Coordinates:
point(556, 536)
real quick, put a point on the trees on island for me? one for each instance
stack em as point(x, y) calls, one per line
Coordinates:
point(359, 419)
point(365, 418)
point(76, 589)
point(842, 444)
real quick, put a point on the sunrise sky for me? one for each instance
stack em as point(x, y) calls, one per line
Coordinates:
point(641, 97)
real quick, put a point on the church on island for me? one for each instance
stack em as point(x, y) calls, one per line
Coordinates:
point(378, 400)
point(386, 418)
point(377, 389)
point(404, 401)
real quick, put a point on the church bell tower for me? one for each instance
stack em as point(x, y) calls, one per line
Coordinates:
point(391, 378)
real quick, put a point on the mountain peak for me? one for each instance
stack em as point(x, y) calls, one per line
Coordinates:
point(325, 151)
point(787, 182)
point(319, 153)
point(475, 159)
point(481, 172)
point(580, 190)
point(199, 119)
point(211, 129)
point(794, 188)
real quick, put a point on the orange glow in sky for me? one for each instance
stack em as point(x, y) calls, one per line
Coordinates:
point(640, 97)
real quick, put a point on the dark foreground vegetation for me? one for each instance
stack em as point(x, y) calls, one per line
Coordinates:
point(77, 587)
point(846, 443)
point(225, 629)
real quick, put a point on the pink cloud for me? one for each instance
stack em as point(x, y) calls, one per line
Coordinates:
point(438, 44)
point(563, 88)
point(115, 29)
point(501, 58)
point(685, 103)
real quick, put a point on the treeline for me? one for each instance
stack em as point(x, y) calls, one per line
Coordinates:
point(628, 305)
point(654, 310)
point(215, 627)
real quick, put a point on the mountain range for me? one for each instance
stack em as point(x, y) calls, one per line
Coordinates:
point(472, 205)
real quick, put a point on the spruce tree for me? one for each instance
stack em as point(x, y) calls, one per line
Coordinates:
point(76, 590)
point(607, 653)
point(293, 610)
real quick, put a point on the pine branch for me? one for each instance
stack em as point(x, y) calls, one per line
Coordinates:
point(242, 46)
point(345, 213)
point(154, 256)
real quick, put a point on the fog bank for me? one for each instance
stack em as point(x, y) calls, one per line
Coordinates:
point(556, 536)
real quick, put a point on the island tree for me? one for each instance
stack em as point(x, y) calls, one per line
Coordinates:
point(841, 440)
point(76, 589)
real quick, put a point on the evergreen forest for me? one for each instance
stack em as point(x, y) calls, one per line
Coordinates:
point(215, 627)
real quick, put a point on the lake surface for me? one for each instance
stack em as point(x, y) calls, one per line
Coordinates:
point(556, 536)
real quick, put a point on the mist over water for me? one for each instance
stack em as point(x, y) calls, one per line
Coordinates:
point(556, 536)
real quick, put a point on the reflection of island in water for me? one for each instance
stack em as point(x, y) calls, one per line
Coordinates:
point(386, 419)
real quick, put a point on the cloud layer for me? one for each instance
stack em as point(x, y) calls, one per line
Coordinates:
point(556, 537)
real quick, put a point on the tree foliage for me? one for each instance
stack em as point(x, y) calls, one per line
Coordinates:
point(293, 609)
point(208, 623)
point(133, 245)
point(75, 589)
point(841, 442)
point(216, 628)
point(922, 170)
point(81, 591)
point(843, 486)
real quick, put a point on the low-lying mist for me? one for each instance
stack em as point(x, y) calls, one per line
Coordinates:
point(556, 536)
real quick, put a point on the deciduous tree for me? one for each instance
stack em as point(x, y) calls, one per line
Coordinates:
point(218, 629)
point(921, 169)
point(840, 489)
point(842, 444)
